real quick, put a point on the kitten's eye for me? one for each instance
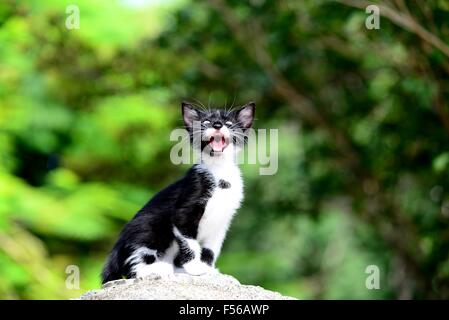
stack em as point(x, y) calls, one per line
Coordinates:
point(206, 122)
point(229, 123)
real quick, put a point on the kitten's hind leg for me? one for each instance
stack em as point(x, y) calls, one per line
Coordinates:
point(145, 262)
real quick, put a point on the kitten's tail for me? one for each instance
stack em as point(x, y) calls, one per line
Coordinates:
point(111, 270)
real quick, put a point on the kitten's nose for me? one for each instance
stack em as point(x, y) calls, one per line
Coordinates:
point(217, 125)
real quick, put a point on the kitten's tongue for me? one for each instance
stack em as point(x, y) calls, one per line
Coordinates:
point(217, 143)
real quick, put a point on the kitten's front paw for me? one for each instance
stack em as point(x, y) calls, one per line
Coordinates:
point(197, 268)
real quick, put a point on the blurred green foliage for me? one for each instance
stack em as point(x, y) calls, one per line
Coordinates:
point(86, 115)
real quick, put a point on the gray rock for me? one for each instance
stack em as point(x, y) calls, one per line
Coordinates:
point(180, 287)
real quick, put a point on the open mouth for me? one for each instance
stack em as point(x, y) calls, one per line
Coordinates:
point(218, 142)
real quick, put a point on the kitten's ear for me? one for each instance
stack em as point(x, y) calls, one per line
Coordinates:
point(189, 114)
point(245, 115)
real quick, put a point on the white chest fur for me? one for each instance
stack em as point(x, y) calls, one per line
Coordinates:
point(222, 205)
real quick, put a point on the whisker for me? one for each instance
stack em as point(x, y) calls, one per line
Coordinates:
point(208, 102)
point(232, 105)
point(202, 106)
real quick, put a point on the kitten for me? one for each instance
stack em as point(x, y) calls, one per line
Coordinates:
point(183, 227)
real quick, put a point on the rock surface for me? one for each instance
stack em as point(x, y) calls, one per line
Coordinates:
point(181, 287)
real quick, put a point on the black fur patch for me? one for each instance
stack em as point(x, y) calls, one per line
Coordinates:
point(207, 256)
point(148, 258)
point(224, 184)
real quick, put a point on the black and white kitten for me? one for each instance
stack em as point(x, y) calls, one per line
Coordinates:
point(183, 227)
